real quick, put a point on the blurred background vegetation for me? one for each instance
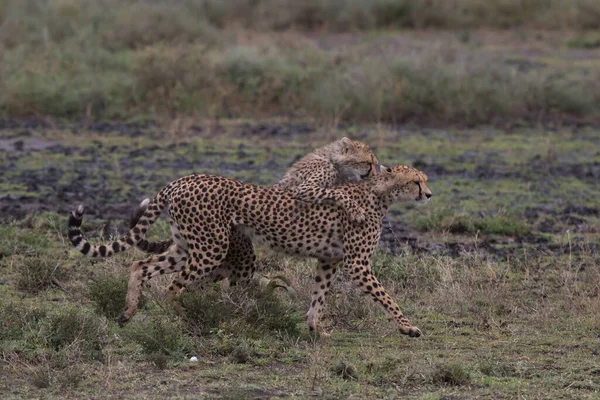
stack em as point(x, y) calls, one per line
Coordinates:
point(434, 61)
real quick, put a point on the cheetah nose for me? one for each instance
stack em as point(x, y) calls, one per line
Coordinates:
point(428, 195)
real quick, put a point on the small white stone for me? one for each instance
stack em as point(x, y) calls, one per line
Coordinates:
point(194, 359)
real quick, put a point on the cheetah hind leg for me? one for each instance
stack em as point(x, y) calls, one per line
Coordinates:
point(142, 271)
point(323, 279)
point(239, 264)
point(177, 286)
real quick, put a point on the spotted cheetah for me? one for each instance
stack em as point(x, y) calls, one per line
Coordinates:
point(204, 208)
point(310, 179)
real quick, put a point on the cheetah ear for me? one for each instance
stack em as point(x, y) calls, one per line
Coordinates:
point(385, 171)
point(385, 184)
point(347, 144)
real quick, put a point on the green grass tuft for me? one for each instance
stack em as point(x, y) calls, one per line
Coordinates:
point(108, 295)
point(158, 335)
point(39, 273)
point(252, 310)
point(75, 330)
point(452, 374)
point(344, 370)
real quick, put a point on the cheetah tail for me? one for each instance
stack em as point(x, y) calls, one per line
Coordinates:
point(130, 239)
point(145, 245)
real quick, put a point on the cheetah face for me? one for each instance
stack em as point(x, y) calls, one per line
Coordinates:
point(406, 183)
point(357, 161)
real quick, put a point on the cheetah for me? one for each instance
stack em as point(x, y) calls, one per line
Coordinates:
point(310, 179)
point(204, 208)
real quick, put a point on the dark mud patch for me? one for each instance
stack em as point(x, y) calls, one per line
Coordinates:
point(274, 130)
point(26, 144)
point(397, 238)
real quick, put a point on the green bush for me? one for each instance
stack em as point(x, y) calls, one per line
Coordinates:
point(141, 24)
point(108, 295)
point(250, 311)
point(272, 81)
point(67, 83)
point(159, 335)
point(491, 367)
point(16, 320)
point(76, 330)
point(344, 370)
point(39, 273)
point(16, 241)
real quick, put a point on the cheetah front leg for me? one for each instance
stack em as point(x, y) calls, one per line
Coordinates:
point(359, 268)
point(172, 260)
point(325, 274)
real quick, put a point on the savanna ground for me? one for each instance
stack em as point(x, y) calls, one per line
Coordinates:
point(500, 270)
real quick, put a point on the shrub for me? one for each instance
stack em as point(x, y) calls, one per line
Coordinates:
point(66, 83)
point(491, 367)
point(16, 320)
point(387, 266)
point(269, 81)
point(158, 335)
point(109, 59)
point(251, 311)
point(39, 273)
point(108, 295)
point(140, 24)
point(175, 79)
point(80, 332)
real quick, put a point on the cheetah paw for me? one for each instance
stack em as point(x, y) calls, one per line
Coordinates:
point(412, 331)
point(122, 320)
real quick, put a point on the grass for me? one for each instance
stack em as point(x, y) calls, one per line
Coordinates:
point(499, 271)
point(446, 220)
point(112, 60)
point(472, 346)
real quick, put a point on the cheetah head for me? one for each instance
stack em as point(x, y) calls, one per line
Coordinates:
point(404, 183)
point(356, 161)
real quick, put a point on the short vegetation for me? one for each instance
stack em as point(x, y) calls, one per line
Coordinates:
point(108, 59)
